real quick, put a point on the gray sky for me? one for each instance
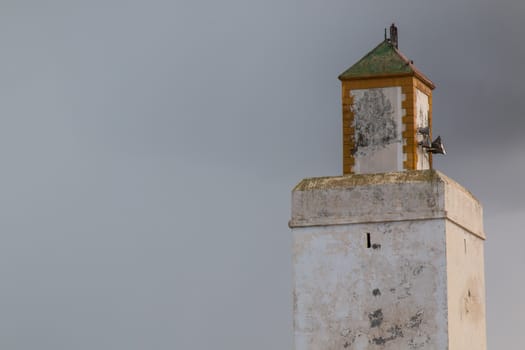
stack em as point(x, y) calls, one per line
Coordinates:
point(148, 151)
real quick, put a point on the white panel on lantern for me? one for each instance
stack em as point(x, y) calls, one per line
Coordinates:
point(422, 108)
point(378, 130)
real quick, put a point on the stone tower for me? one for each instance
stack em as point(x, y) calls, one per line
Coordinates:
point(389, 255)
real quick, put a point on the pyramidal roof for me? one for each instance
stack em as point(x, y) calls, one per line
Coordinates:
point(384, 60)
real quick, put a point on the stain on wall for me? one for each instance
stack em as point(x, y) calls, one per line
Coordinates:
point(375, 122)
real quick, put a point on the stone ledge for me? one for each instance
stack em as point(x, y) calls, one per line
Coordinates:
point(395, 196)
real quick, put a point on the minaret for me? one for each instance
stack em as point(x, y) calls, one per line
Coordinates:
point(389, 255)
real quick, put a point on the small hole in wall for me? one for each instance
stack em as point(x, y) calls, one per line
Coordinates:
point(368, 244)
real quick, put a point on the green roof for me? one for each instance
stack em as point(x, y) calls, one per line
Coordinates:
point(384, 59)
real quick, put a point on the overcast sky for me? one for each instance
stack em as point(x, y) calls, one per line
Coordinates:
point(148, 150)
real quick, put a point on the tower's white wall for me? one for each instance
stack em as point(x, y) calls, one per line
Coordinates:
point(391, 295)
point(410, 288)
point(466, 289)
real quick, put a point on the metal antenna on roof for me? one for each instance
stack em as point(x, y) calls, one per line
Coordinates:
point(393, 35)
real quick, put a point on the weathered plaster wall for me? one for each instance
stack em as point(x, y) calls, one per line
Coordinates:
point(378, 130)
point(370, 286)
point(466, 289)
point(380, 263)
